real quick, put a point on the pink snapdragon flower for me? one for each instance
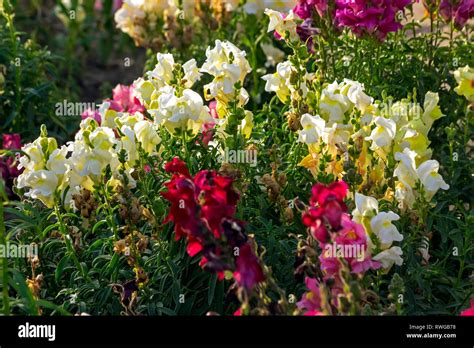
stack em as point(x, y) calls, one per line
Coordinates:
point(343, 242)
point(124, 100)
point(469, 312)
point(311, 300)
point(208, 128)
point(89, 113)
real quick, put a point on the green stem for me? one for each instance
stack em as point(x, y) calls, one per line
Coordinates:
point(69, 246)
point(13, 39)
point(110, 213)
point(6, 298)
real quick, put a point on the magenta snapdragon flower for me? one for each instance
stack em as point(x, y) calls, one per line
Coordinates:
point(304, 9)
point(375, 18)
point(459, 11)
point(9, 165)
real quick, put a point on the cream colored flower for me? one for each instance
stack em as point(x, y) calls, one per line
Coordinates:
point(430, 178)
point(228, 65)
point(389, 257)
point(162, 74)
point(185, 112)
point(279, 82)
point(147, 135)
point(285, 26)
point(366, 206)
point(42, 185)
point(57, 162)
point(191, 73)
point(406, 168)
point(383, 134)
point(355, 93)
point(465, 79)
point(432, 111)
point(313, 128)
point(333, 104)
point(382, 227)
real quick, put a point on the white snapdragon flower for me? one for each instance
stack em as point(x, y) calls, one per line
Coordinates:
point(405, 171)
point(283, 25)
point(432, 111)
point(35, 158)
point(430, 178)
point(313, 128)
point(130, 120)
point(191, 73)
point(57, 162)
point(333, 104)
point(228, 65)
point(147, 135)
point(42, 185)
point(383, 134)
point(382, 226)
point(162, 74)
point(406, 174)
point(389, 257)
point(355, 92)
point(43, 169)
point(186, 112)
point(366, 206)
point(279, 81)
point(128, 143)
point(103, 141)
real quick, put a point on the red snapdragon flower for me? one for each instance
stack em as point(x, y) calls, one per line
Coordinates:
point(202, 209)
point(248, 270)
point(218, 198)
point(326, 205)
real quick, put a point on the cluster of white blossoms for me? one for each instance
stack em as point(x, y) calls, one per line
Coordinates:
point(379, 225)
point(168, 97)
point(44, 168)
point(81, 164)
point(228, 65)
point(408, 174)
point(167, 92)
point(117, 139)
point(380, 130)
point(138, 18)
